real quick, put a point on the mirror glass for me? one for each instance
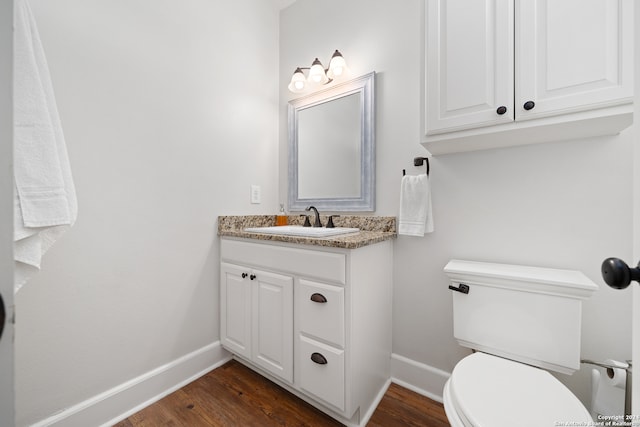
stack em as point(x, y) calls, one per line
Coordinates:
point(331, 148)
point(334, 148)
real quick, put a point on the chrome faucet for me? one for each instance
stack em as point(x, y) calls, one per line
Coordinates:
point(317, 222)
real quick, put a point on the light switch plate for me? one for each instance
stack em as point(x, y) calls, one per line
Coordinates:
point(255, 194)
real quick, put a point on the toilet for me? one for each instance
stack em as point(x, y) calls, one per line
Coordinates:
point(521, 322)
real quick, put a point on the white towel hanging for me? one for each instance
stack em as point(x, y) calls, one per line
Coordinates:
point(415, 217)
point(45, 202)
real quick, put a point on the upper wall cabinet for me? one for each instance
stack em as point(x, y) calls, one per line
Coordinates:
point(510, 72)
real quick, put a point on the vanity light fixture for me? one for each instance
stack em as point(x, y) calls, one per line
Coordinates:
point(318, 75)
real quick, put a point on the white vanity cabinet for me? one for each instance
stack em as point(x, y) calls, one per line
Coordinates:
point(332, 333)
point(507, 72)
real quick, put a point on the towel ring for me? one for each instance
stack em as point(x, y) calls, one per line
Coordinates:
point(418, 161)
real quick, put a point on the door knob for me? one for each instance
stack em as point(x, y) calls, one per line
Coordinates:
point(501, 110)
point(617, 274)
point(3, 315)
point(529, 105)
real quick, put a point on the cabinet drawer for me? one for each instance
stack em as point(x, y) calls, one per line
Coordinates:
point(324, 381)
point(304, 262)
point(324, 320)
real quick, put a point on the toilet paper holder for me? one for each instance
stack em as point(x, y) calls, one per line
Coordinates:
point(627, 387)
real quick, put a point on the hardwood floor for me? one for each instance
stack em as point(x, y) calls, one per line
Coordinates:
point(234, 395)
point(402, 407)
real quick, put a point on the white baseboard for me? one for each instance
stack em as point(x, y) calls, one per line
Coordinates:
point(423, 379)
point(125, 399)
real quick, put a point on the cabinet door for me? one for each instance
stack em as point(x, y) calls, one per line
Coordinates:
point(468, 64)
point(273, 323)
point(235, 309)
point(572, 55)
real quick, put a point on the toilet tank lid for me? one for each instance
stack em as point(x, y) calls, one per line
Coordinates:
point(568, 283)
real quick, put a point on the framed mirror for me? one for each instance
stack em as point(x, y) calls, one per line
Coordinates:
point(332, 148)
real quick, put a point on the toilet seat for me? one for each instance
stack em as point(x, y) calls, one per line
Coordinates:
point(486, 390)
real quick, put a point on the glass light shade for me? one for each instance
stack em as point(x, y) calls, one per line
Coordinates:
point(337, 66)
point(298, 81)
point(317, 74)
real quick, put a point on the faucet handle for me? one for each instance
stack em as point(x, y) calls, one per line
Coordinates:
point(330, 222)
point(306, 220)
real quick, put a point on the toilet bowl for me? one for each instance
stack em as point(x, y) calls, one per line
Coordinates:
point(521, 321)
point(486, 390)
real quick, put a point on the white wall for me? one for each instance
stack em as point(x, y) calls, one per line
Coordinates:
point(170, 114)
point(563, 205)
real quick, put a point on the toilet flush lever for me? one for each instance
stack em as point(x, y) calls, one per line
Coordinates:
point(617, 274)
point(461, 288)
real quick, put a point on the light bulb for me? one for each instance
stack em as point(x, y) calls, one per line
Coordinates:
point(298, 81)
point(317, 74)
point(337, 66)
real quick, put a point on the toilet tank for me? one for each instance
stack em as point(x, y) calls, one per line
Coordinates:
point(528, 314)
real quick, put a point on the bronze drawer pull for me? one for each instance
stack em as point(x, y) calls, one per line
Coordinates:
point(318, 358)
point(318, 298)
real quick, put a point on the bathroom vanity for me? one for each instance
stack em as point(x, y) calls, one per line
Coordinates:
point(311, 314)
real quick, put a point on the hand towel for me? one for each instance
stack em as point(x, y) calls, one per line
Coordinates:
point(415, 218)
point(45, 202)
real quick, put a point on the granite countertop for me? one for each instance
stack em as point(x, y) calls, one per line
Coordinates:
point(373, 229)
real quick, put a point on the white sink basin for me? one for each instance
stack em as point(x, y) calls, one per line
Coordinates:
point(298, 230)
